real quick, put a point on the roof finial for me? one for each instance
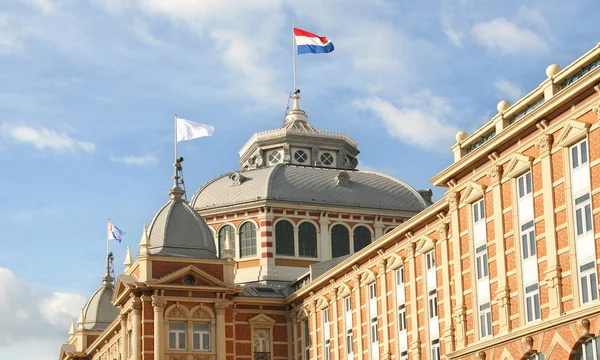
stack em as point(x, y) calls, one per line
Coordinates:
point(128, 261)
point(107, 279)
point(80, 321)
point(295, 113)
point(176, 192)
point(144, 242)
point(72, 329)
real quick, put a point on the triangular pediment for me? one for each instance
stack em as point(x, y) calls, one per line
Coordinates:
point(368, 276)
point(474, 191)
point(572, 132)
point(123, 283)
point(322, 303)
point(261, 319)
point(183, 277)
point(394, 261)
point(424, 244)
point(518, 165)
point(344, 290)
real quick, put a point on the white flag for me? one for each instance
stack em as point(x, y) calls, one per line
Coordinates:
point(188, 130)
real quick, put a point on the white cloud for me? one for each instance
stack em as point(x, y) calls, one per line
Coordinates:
point(508, 38)
point(143, 33)
point(134, 160)
point(43, 138)
point(454, 36)
point(420, 121)
point(46, 6)
point(32, 316)
point(510, 90)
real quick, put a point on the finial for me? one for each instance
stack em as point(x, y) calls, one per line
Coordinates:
point(107, 279)
point(227, 252)
point(80, 320)
point(128, 261)
point(176, 192)
point(295, 103)
point(144, 242)
point(72, 329)
point(295, 113)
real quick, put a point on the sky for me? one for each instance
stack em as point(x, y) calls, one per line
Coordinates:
point(88, 91)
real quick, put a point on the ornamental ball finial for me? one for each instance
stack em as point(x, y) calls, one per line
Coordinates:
point(461, 136)
point(552, 70)
point(503, 106)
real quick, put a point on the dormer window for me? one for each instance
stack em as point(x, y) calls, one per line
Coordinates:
point(274, 157)
point(301, 156)
point(327, 159)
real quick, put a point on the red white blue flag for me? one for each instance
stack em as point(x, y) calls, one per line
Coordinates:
point(309, 43)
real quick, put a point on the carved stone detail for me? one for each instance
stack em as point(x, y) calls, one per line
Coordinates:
point(495, 174)
point(177, 312)
point(442, 231)
point(158, 303)
point(220, 307)
point(452, 199)
point(544, 144)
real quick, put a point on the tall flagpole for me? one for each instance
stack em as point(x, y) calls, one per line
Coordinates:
point(175, 135)
point(294, 55)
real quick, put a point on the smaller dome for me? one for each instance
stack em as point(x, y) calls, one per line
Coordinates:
point(99, 311)
point(503, 106)
point(177, 230)
point(552, 70)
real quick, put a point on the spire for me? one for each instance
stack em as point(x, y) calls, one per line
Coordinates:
point(176, 192)
point(144, 242)
point(128, 261)
point(72, 329)
point(108, 279)
point(80, 321)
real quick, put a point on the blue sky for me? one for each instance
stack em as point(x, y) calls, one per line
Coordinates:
point(88, 90)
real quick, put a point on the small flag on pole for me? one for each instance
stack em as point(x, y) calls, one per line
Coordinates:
point(114, 233)
point(188, 130)
point(309, 43)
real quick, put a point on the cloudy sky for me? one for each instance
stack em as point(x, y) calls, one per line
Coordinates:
point(88, 90)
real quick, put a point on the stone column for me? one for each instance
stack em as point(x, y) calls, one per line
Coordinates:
point(136, 336)
point(448, 333)
point(503, 291)
point(335, 338)
point(382, 275)
point(553, 272)
point(378, 226)
point(124, 338)
point(158, 304)
point(458, 313)
point(415, 342)
point(325, 239)
point(359, 324)
point(220, 308)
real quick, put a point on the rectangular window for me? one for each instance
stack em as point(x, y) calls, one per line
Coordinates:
point(435, 350)
point(478, 211)
point(481, 262)
point(583, 215)
point(433, 309)
point(306, 336)
point(372, 291)
point(589, 282)
point(579, 154)
point(430, 260)
point(400, 276)
point(532, 303)
point(402, 317)
point(201, 337)
point(528, 239)
point(485, 320)
point(524, 183)
point(327, 334)
point(348, 326)
point(374, 332)
point(177, 336)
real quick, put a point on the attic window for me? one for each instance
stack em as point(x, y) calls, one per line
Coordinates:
point(326, 158)
point(189, 280)
point(300, 156)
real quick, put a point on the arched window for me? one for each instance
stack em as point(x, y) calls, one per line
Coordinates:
point(222, 235)
point(389, 229)
point(247, 239)
point(589, 350)
point(362, 238)
point(340, 241)
point(307, 240)
point(284, 238)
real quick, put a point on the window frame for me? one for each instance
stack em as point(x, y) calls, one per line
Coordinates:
point(336, 235)
point(578, 155)
point(528, 243)
point(583, 205)
point(348, 332)
point(485, 320)
point(201, 333)
point(285, 244)
point(589, 273)
point(481, 263)
point(222, 235)
point(533, 311)
point(361, 234)
point(478, 210)
point(302, 239)
point(247, 245)
point(178, 336)
point(524, 185)
point(432, 304)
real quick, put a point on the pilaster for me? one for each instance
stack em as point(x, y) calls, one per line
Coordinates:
point(415, 341)
point(378, 226)
point(335, 338)
point(220, 308)
point(265, 244)
point(325, 238)
point(448, 333)
point(136, 337)
point(356, 289)
point(158, 304)
point(386, 354)
point(124, 342)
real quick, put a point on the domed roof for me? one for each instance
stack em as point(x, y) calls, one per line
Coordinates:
point(99, 311)
point(177, 230)
point(309, 185)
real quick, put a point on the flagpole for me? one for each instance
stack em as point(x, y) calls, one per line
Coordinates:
point(294, 55)
point(175, 135)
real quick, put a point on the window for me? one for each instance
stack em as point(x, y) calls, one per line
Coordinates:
point(374, 331)
point(400, 276)
point(579, 154)
point(583, 215)
point(435, 350)
point(274, 157)
point(284, 238)
point(589, 282)
point(327, 158)
point(300, 156)
point(400, 299)
point(201, 337)
point(433, 309)
point(524, 184)
point(478, 211)
point(485, 320)
point(247, 239)
point(177, 336)
point(306, 333)
point(430, 260)
point(227, 229)
point(589, 350)
point(326, 334)
point(536, 356)
point(340, 241)
point(481, 262)
point(532, 303)
point(362, 238)
point(307, 240)
point(348, 327)
point(528, 239)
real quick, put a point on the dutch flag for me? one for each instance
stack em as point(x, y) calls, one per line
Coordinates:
point(309, 43)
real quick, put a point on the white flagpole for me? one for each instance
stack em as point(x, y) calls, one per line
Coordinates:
point(175, 136)
point(294, 50)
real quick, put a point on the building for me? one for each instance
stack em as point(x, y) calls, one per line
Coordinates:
point(504, 267)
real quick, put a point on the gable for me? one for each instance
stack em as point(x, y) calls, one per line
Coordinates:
point(572, 132)
point(473, 192)
point(518, 165)
point(190, 276)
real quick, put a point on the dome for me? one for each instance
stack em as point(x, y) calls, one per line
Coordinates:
point(309, 185)
point(177, 230)
point(99, 311)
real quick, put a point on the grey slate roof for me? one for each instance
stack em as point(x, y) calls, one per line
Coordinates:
point(177, 230)
point(99, 311)
point(311, 185)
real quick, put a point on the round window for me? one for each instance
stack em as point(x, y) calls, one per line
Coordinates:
point(300, 156)
point(189, 280)
point(326, 158)
point(274, 157)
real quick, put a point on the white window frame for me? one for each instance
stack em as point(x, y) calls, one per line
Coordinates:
point(200, 333)
point(588, 273)
point(532, 303)
point(592, 346)
point(481, 263)
point(306, 337)
point(581, 151)
point(524, 185)
point(349, 337)
point(583, 215)
point(178, 334)
point(485, 320)
point(326, 334)
point(478, 209)
point(374, 331)
point(528, 245)
point(430, 260)
point(432, 304)
point(435, 350)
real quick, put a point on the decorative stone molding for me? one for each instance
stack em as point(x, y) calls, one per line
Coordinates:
point(381, 267)
point(176, 311)
point(528, 340)
point(394, 261)
point(495, 174)
point(474, 191)
point(544, 144)
point(452, 199)
point(424, 244)
point(158, 303)
point(572, 132)
point(442, 231)
point(136, 305)
point(202, 313)
point(410, 250)
point(585, 324)
point(518, 165)
point(220, 307)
